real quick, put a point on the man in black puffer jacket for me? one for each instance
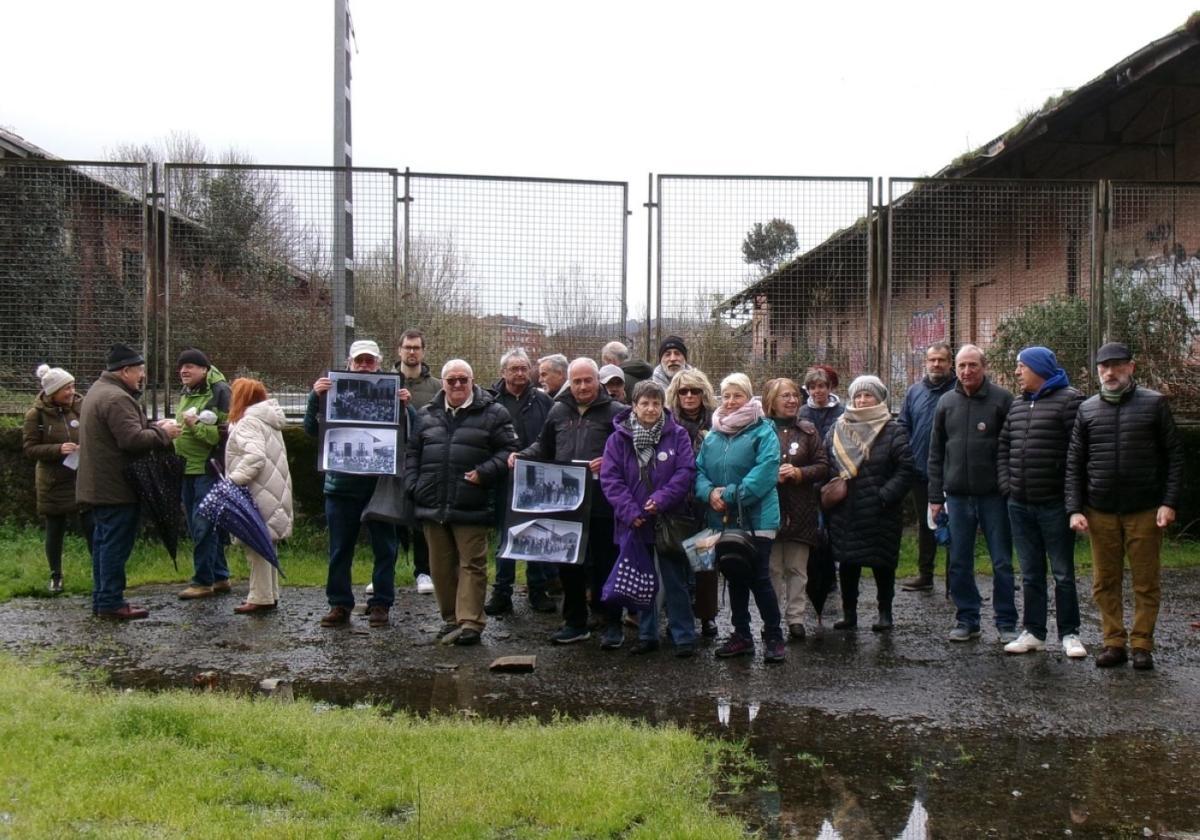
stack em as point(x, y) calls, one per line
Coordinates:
point(1124, 474)
point(456, 455)
point(1031, 467)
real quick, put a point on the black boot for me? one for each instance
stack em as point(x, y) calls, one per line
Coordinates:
point(849, 619)
point(884, 622)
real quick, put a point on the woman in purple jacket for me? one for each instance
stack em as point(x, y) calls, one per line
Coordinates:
point(648, 470)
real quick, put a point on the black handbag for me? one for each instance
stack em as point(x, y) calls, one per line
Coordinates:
point(670, 529)
point(390, 503)
point(737, 554)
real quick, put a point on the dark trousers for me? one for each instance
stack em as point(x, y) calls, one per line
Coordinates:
point(759, 585)
point(56, 529)
point(343, 514)
point(115, 529)
point(885, 585)
point(414, 539)
point(592, 573)
point(926, 542)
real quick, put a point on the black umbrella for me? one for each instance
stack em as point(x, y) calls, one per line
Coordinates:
point(231, 507)
point(157, 478)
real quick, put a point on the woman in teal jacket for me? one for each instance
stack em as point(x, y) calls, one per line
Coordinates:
point(739, 462)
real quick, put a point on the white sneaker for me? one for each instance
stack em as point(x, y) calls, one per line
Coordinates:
point(424, 584)
point(370, 589)
point(1072, 647)
point(1025, 643)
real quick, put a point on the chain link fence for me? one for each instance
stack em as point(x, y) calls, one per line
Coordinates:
point(496, 263)
point(766, 275)
point(999, 264)
point(73, 261)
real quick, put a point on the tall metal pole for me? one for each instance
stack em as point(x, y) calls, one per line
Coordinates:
point(342, 275)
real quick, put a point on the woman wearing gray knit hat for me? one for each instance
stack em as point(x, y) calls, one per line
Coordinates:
point(869, 450)
point(51, 437)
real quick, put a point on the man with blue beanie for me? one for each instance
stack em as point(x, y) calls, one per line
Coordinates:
point(1032, 470)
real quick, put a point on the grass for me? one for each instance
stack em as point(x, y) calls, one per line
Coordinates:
point(93, 762)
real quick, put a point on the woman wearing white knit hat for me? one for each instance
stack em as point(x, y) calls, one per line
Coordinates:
point(51, 437)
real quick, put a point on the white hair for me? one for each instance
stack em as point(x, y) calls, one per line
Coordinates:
point(457, 363)
point(584, 360)
point(614, 353)
point(556, 360)
point(516, 353)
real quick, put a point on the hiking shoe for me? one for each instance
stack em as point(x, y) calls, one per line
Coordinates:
point(1025, 643)
point(796, 632)
point(541, 602)
point(963, 633)
point(338, 616)
point(193, 592)
point(1111, 657)
point(1008, 634)
point(735, 645)
point(708, 628)
point(571, 635)
point(1072, 647)
point(775, 652)
point(467, 636)
point(222, 587)
point(612, 638)
point(645, 646)
point(424, 585)
point(1143, 660)
point(129, 612)
point(917, 583)
point(248, 608)
point(56, 585)
point(498, 604)
point(377, 616)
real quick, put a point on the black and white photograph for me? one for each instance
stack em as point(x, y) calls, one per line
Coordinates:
point(547, 488)
point(544, 540)
point(360, 450)
point(363, 398)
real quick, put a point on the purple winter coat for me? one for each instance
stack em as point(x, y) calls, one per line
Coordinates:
point(672, 472)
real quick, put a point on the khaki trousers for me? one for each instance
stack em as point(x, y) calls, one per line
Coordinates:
point(458, 566)
point(264, 580)
point(1114, 537)
point(789, 574)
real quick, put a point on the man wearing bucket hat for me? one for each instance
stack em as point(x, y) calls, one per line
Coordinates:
point(1124, 480)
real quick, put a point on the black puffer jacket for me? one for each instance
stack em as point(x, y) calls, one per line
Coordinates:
point(445, 447)
point(864, 530)
point(965, 441)
point(571, 436)
point(1032, 460)
point(1124, 458)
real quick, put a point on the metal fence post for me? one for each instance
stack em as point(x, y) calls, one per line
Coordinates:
point(650, 206)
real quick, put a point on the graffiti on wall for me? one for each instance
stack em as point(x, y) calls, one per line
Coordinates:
point(924, 328)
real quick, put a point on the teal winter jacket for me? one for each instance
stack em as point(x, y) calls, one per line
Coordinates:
point(746, 463)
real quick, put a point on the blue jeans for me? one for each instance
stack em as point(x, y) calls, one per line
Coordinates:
point(989, 513)
point(114, 530)
point(1038, 531)
point(673, 590)
point(344, 517)
point(764, 597)
point(208, 555)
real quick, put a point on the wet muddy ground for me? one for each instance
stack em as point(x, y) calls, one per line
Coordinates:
point(860, 734)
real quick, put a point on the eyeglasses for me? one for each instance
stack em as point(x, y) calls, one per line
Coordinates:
point(411, 348)
point(453, 381)
point(689, 392)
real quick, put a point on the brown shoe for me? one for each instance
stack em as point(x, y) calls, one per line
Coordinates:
point(193, 592)
point(1110, 657)
point(222, 587)
point(918, 583)
point(336, 617)
point(249, 609)
point(126, 613)
point(1143, 660)
point(377, 617)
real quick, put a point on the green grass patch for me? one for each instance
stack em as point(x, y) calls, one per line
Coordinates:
point(93, 762)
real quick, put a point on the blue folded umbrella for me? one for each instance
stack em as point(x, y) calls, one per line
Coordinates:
point(231, 507)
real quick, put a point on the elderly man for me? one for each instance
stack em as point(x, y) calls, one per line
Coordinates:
point(672, 358)
point(552, 374)
point(1124, 479)
point(633, 370)
point(204, 390)
point(577, 429)
point(113, 431)
point(528, 408)
point(1033, 452)
point(613, 380)
point(916, 416)
point(417, 388)
point(346, 496)
point(457, 455)
point(963, 450)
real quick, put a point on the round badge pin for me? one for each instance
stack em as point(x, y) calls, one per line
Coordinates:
point(982, 426)
point(662, 456)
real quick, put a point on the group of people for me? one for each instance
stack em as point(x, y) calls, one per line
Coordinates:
point(793, 467)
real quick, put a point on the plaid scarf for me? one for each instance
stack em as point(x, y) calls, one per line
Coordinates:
point(853, 435)
point(645, 441)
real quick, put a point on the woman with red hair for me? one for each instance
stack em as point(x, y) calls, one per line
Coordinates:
point(255, 458)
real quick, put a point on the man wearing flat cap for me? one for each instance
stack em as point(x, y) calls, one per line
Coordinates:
point(1124, 478)
point(113, 431)
point(203, 409)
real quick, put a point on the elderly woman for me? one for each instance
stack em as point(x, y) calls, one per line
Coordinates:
point(50, 435)
point(736, 474)
point(822, 408)
point(647, 472)
point(256, 458)
point(869, 450)
point(691, 403)
point(803, 466)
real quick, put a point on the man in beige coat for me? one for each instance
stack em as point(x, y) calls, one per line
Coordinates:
point(113, 430)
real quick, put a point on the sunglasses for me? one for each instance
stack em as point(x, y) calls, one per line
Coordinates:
point(689, 392)
point(456, 380)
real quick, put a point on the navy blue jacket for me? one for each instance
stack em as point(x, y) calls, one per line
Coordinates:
point(916, 416)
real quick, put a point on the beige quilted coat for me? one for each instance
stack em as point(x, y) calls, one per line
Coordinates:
point(255, 457)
